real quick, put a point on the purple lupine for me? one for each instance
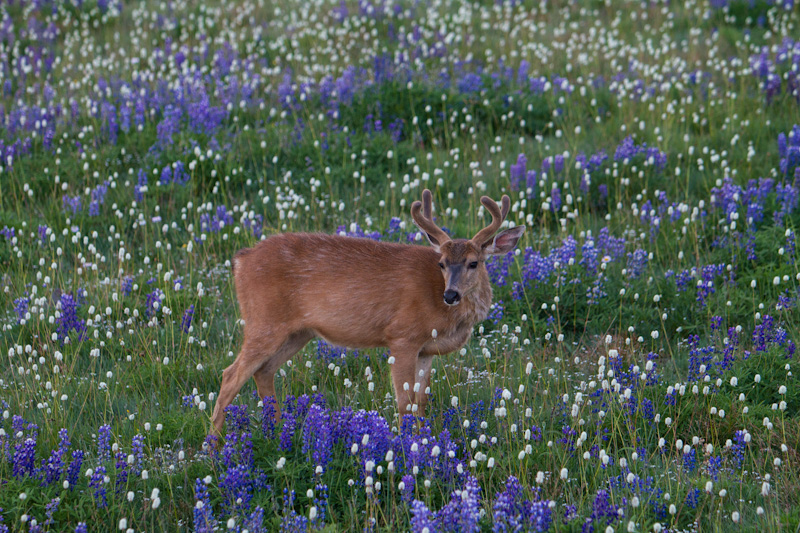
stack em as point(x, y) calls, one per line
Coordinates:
point(21, 308)
point(518, 171)
point(268, 417)
point(255, 522)
point(396, 129)
point(496, 312)
point(141, 185)
point(291, 521)
point(72, 204)
point(789, 150)
point(589, 257)
point(219, 220)
point(166, 176)
point(169, 126)
point(127, 285)
point(317, 435)
point(597, 160)
point(530, 182)
point(603, 509)
point(99, 193)
point(637, 263)
point(153, 301)
point(255, 225)
point(238, 420)
point(179, 174)
point(236, 484)
point(407, 492)
point(42, 231)
point(470, 83)
point(558, 164)
point(55, 465)
point(787, 198)
point(321, 503)
point(97, 482)
point(104, 443)
point(555, 199)
point(186, 321)
point(68, 318)
point(204, 521)
point(422, 519)
point(50, 509)
point(24, 456)
point(511, 512)
point(610, 245)
point(74, 469)
point(462, 512)
point(738, 448)
point(626, 150)
point(137, 449)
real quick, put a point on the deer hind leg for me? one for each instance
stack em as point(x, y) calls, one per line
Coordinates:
point(255, 354)
point(265, 374)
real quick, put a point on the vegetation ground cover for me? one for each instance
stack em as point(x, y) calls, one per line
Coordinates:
point(635, 372)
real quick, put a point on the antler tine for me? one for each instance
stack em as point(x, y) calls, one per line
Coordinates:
point(498, 215)
point(424, 220)
point(427, 204)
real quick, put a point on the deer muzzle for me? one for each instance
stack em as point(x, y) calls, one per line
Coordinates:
point(451, 297)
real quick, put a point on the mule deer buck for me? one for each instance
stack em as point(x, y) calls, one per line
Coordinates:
point(360, 293)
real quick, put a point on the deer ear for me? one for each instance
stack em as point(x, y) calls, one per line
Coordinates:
point(505, 241)
point(435, 244)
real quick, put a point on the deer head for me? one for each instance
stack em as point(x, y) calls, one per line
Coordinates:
point(463, 261)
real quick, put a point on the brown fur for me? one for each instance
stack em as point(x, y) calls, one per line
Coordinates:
point(352, 292)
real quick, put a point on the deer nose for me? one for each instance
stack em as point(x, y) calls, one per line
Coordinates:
point(451, 297)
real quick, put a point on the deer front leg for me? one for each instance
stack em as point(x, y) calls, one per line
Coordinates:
point(404, 368)
point(422, 382)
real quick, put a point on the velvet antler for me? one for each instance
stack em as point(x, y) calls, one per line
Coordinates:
point(484, 236)
point(424, 220)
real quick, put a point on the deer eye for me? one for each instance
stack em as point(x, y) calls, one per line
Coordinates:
point(441, 265)
point(474, 264)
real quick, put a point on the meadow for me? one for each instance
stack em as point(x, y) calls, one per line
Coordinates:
point(636, 372)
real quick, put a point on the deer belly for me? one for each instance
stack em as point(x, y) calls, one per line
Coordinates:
point(349, 327)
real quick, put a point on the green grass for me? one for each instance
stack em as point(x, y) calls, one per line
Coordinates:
point(564, 348)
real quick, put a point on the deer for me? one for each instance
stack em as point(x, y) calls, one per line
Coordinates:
point(418, 301)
